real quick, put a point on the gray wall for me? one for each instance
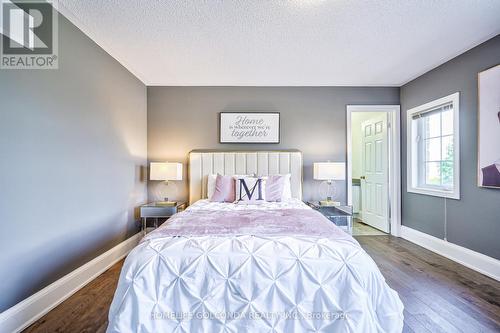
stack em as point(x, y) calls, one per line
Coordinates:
point(473, 221)
point(313, 120)
point(72, 143)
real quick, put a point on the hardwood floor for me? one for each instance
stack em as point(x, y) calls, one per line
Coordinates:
point(439, 295)
point(361, 229)
point(85, 311)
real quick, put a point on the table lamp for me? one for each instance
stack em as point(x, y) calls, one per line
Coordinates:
point(165, 171)
point(329, 172)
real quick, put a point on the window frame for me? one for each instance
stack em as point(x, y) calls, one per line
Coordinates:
point(414, 153)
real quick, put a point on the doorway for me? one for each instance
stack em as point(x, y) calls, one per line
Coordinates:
point(373, 168)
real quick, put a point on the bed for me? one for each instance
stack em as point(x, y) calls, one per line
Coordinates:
point(272, 267)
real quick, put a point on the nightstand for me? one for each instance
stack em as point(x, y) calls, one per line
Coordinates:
point(340, 215)
point(159, 211)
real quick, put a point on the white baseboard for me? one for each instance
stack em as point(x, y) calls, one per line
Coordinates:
point(26, 312)
point(474, 260)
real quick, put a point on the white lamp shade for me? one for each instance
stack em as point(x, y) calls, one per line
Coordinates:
point(329, 171)
point(165, 171)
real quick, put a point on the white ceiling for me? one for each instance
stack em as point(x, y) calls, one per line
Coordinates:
point(284, 43)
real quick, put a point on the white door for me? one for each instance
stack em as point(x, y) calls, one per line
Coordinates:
point(375, 171)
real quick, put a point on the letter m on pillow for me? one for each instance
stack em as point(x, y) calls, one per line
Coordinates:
point(249, 194)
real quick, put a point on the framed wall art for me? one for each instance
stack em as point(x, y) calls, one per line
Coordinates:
point(249, 127)
point(489, 128)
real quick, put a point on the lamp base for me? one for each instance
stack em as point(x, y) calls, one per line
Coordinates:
point(329, 203)
point(166, 203)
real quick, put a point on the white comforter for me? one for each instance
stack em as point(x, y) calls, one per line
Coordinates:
point(251, 283)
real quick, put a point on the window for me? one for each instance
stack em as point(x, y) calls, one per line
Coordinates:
point(433, 148)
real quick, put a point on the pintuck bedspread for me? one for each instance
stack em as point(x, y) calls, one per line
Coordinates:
point(279, 267)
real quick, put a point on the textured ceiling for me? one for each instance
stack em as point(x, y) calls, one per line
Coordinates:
point(284, 43)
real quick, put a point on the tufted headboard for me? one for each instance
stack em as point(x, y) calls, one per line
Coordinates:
point(263, 163)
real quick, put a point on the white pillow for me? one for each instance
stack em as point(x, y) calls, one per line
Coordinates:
point(252, 186)
point(211, 185)
point(287, 188)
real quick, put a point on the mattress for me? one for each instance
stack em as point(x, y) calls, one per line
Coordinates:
point(272, 267)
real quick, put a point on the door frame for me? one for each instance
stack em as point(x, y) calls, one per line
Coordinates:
point(394, 154)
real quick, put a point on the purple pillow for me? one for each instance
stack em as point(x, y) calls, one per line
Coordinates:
point(274, 187)
point(224, 189)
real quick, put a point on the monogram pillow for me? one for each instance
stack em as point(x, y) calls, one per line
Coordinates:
point(250, 189)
